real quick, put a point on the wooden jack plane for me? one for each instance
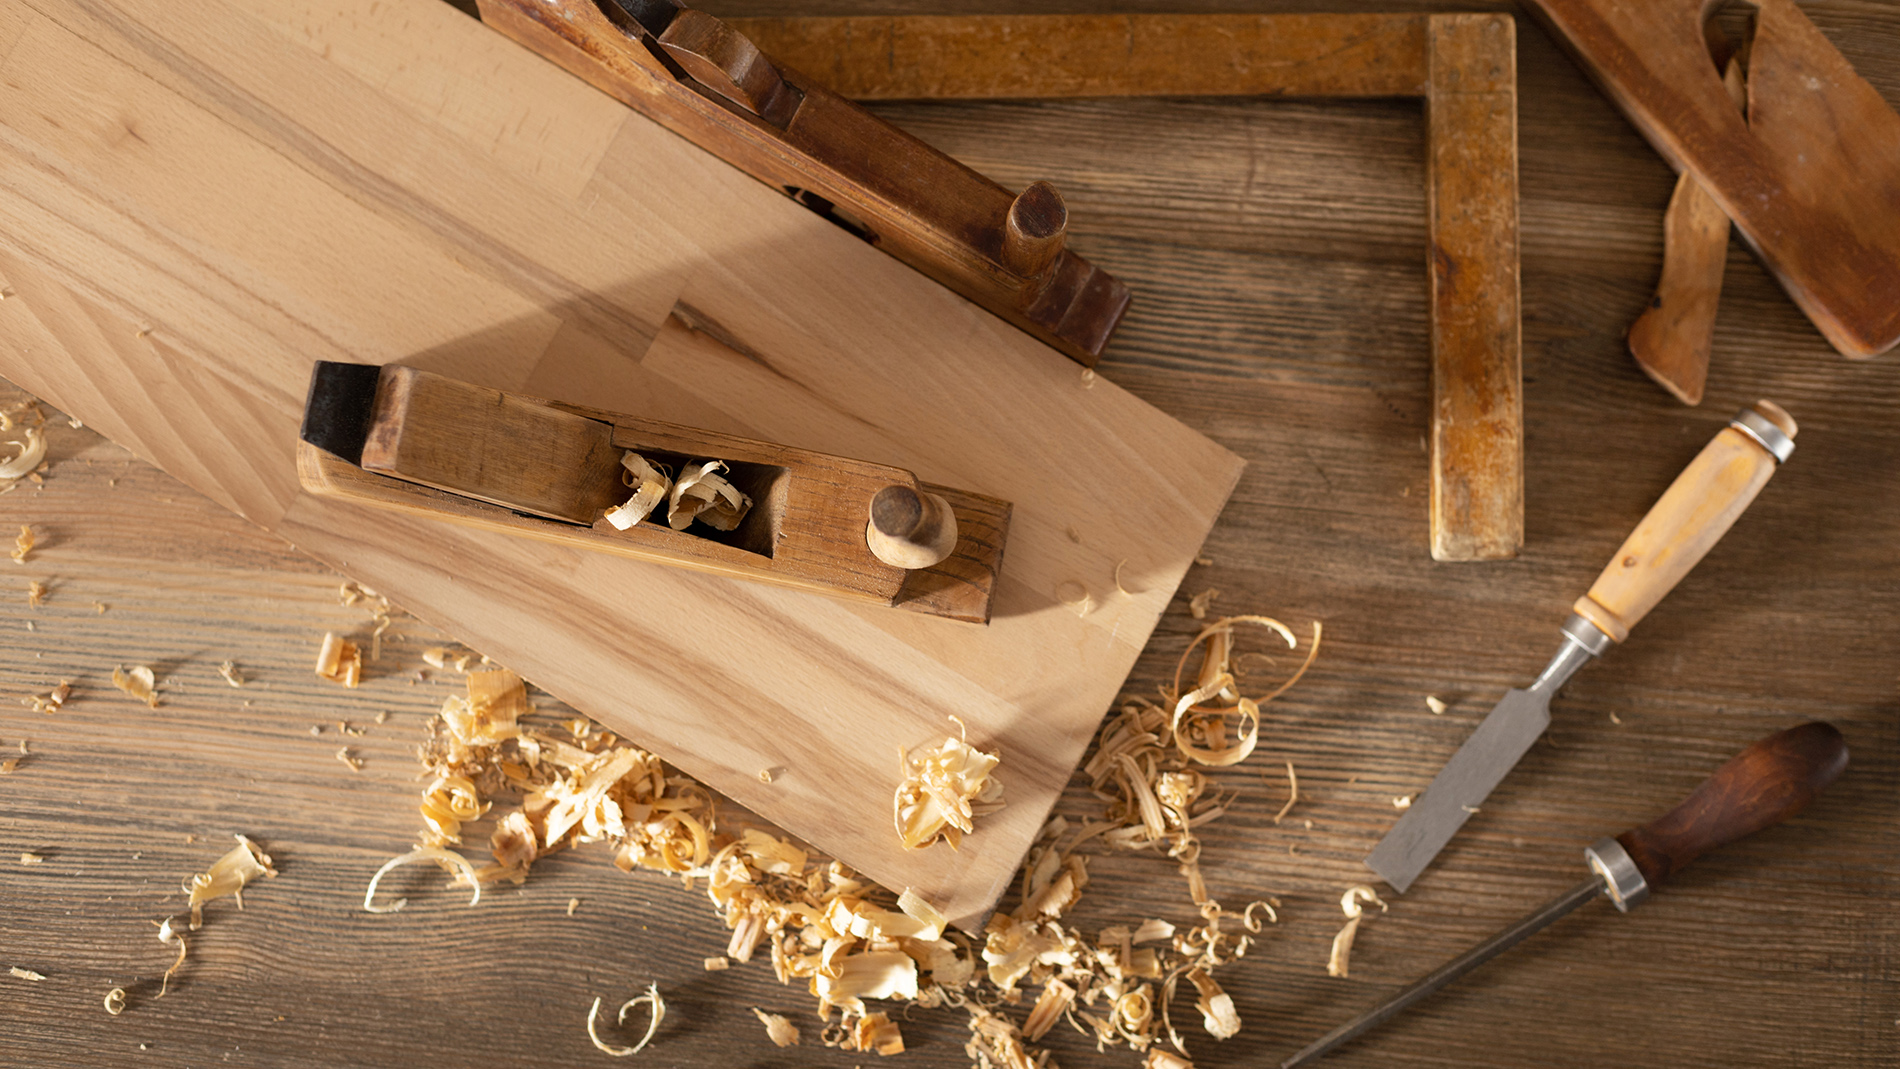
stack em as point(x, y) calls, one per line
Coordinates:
point(413, 441)
point(707, 82)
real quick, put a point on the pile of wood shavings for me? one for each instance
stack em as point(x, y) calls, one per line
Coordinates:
point(818, 922)
point(941, 792)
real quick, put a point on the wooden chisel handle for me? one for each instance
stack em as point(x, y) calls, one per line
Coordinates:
point(1760, 787)
point(1690, 517)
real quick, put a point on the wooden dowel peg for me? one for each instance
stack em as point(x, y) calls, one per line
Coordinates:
point(1035, 230)
point(910, 528)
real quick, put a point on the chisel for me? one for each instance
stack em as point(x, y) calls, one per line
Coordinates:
point(1762, 786)
point(1689, 518)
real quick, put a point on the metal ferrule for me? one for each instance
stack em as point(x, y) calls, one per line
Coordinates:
point(1765, 433)
point(1582, 644)
point(1621, 878)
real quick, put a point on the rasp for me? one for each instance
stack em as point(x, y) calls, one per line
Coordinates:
point(1760, 787)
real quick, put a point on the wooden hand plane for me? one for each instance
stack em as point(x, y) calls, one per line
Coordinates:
point(706, 82)
point(413, 441)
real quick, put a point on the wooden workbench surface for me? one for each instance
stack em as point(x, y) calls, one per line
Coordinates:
point(1277, 253)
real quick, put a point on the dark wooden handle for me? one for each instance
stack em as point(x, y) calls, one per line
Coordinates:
point(1760, 787)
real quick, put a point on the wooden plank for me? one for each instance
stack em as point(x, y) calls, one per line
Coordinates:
point(1465, 67)
point(1477, 497)
point(342, 223)
point(1807, 176)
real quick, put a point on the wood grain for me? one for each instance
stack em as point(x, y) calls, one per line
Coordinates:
point(190, 305)
point(1275, 253)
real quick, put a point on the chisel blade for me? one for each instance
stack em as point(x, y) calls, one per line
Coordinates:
point(1461, 786)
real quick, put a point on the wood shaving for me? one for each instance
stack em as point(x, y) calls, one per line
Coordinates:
point(1088, 378)
point(1075, 595)
point(780, 1031)
point(35, 594)
point(1292, 792)
point(349, 759)
point(448, 859)
point(1216, 1006)
point(26, 974)
point(32, 444)
point(22, 544)
point(717, 963)
point(115, 1001)
point(1614, 719)
point(704, 495)
point(227, 876)
point(53, 700)
point(458, 660)
point(30, 858)
point(650, 487)
point(942, 791)
point(7, 765)
point(1403, 801)
point(657, 1008)
point(490, 710)
point(229, 670)
point(1199, 729)
point(168, 936)
point(1055, 1001)
point(339, 661)
point(138, 682)
point(572, 905)
point(1353, 903)
point(1434, 704)
point(1119, 588)
point(1197, 605)
point(824, 928)
point(1204, 560)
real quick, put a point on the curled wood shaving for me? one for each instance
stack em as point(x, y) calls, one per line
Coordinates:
point(168, 936)
point(1353, 903)
point(1165, 1059)
point(25, 974)
point(650, 486)
point(448, 859)
point(942, 791)
point(1199, 729)
point(35, 594)
point(138, 682)
point(338, 660)
point(1292, 792)
point(115, 1001)
point(229, 670)
point(780, 1031)
point(704, 495)
point(32, 443)
point(656, 1007)
point(1075, 595)
point(1216, 1006)
point(572, 905)
point(227, 876)
point(1055, 1001)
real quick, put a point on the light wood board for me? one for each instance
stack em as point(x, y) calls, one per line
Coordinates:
point(198, 203)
